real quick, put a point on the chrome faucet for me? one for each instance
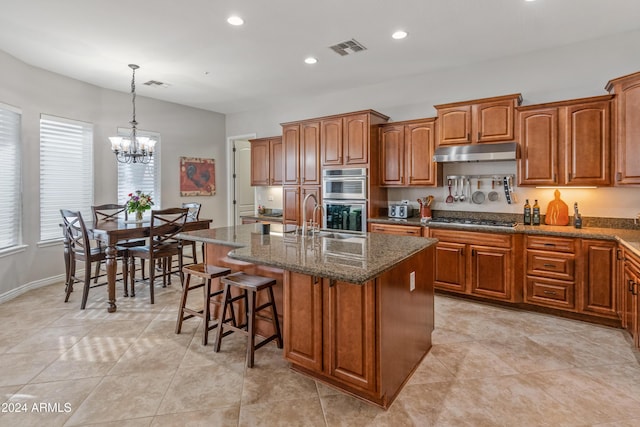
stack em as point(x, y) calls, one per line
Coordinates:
point(316, 206)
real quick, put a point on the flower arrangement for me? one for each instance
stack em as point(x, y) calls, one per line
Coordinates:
point(139, 202)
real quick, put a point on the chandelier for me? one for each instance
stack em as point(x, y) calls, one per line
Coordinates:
point(133, 149)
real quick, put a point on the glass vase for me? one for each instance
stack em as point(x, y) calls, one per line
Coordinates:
point(139, 216)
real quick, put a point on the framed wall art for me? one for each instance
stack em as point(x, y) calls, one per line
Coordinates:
point(197, 176)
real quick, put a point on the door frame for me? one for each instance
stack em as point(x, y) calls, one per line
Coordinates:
point(231, 211)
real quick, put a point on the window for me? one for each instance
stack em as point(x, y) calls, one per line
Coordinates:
point(10, 191)
point(66, 171)
point(143, 177)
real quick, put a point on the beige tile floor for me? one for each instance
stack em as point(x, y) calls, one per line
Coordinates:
point(488, 366)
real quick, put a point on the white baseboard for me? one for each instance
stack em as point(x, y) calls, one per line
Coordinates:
point(13, 293)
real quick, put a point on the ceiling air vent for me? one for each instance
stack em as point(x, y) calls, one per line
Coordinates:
point(155, 83)
point(348, 47)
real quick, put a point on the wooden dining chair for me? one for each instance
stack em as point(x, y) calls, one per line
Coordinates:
point(192, 215)
point(162, 245)
point(113, 212)
point(78, 245)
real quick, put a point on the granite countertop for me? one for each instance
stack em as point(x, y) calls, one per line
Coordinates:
point(356, 259)
point(628, 237)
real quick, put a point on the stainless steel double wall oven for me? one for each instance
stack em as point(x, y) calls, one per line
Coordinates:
point(344, 199)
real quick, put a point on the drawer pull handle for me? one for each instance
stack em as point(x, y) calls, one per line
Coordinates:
point(550, 265)
point(550, 292)
point(549, 244)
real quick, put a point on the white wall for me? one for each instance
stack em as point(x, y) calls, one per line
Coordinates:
point(184, 131)
point(567, 72)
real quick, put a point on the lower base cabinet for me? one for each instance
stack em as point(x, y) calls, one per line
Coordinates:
point(598, 289)
point(363, 339)
point(629, 286)
point(483, 268)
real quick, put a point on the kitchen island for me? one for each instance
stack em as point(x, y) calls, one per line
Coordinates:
point(357, 310)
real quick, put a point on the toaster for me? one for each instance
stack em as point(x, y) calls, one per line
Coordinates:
point(400, 211)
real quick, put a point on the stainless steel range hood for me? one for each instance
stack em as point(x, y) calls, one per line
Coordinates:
point(477, 153)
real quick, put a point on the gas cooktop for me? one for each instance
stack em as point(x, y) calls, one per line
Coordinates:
point(474, 222)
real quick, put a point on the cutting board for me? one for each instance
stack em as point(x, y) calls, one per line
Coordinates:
point(557, 211)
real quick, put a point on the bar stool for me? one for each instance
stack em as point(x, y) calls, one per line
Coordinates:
point(250, 285)
point(208, 273)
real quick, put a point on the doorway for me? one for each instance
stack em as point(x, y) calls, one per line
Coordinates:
point(241, 193)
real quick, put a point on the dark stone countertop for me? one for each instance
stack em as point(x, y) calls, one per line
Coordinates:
point(630, 238)
point(265, 218)
point(356, 259)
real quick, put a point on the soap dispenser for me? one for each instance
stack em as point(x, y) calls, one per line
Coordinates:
point(577, 218)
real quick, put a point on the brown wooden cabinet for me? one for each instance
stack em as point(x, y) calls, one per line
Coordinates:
point(301, 149)
point(566, 143)
point(334, 328)
point(485, 120)
point(407, 154)
point(550, 271)
point(290, 204)
point(628, 287)
point(346, 139)
point(484, 268)
point(364, 339)
point(401, 230)
point(598, 290)
point(266, 161)
point(627, 128)
point(291, 154)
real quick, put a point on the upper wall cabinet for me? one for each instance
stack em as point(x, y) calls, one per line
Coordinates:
point(627, 126)
point(301, 147)
point(566, 143)
point(346, 139)
point(479, 121)
point(407, 154)
point(266, 161)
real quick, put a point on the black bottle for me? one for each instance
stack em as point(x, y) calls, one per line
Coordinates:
point(536, 213)
point(527, 213)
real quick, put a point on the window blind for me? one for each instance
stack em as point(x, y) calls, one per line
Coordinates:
point(66, 171)
point(10, 172)
point(143, 177)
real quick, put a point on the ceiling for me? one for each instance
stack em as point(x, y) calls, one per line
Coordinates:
point(209, 64)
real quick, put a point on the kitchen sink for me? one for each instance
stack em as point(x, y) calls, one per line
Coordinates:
point(340, 236)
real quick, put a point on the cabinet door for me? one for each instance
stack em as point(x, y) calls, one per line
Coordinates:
point(493, 121)
point(356, 139)
point(275, 161)
point(310, 205)
point(290, 154)
point(598, 293)
point(310, 153)
point(538, 135)
point(290, 204)
point(393, 157)
point(302, 326)
point(260, 162)
point(454, 125)
point(331, 141)
point(628, 128)
point(420, 142)
point(349, 318)
point(629, 299)
point(450, 266)
point(588, 144)
point(491, 272)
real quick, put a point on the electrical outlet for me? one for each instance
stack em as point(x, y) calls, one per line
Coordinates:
point(412, 281)
point(270, 198)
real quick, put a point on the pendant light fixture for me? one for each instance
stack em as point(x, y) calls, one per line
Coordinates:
point(134, 148)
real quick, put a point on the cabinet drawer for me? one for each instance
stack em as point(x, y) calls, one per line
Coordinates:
point(402, 230)
point(550, 292)
point(550, 264)
point(496, 240)
point(557, 244)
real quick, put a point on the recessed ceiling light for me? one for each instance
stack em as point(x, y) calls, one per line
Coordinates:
point(398, 35)
point(235, 20)
point(310, 60)
point(529, 0)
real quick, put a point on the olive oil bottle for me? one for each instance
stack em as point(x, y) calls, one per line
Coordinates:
point(536, 213)
point(527, 213)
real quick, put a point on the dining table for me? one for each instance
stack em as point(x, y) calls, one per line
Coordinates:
point(110, 232)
